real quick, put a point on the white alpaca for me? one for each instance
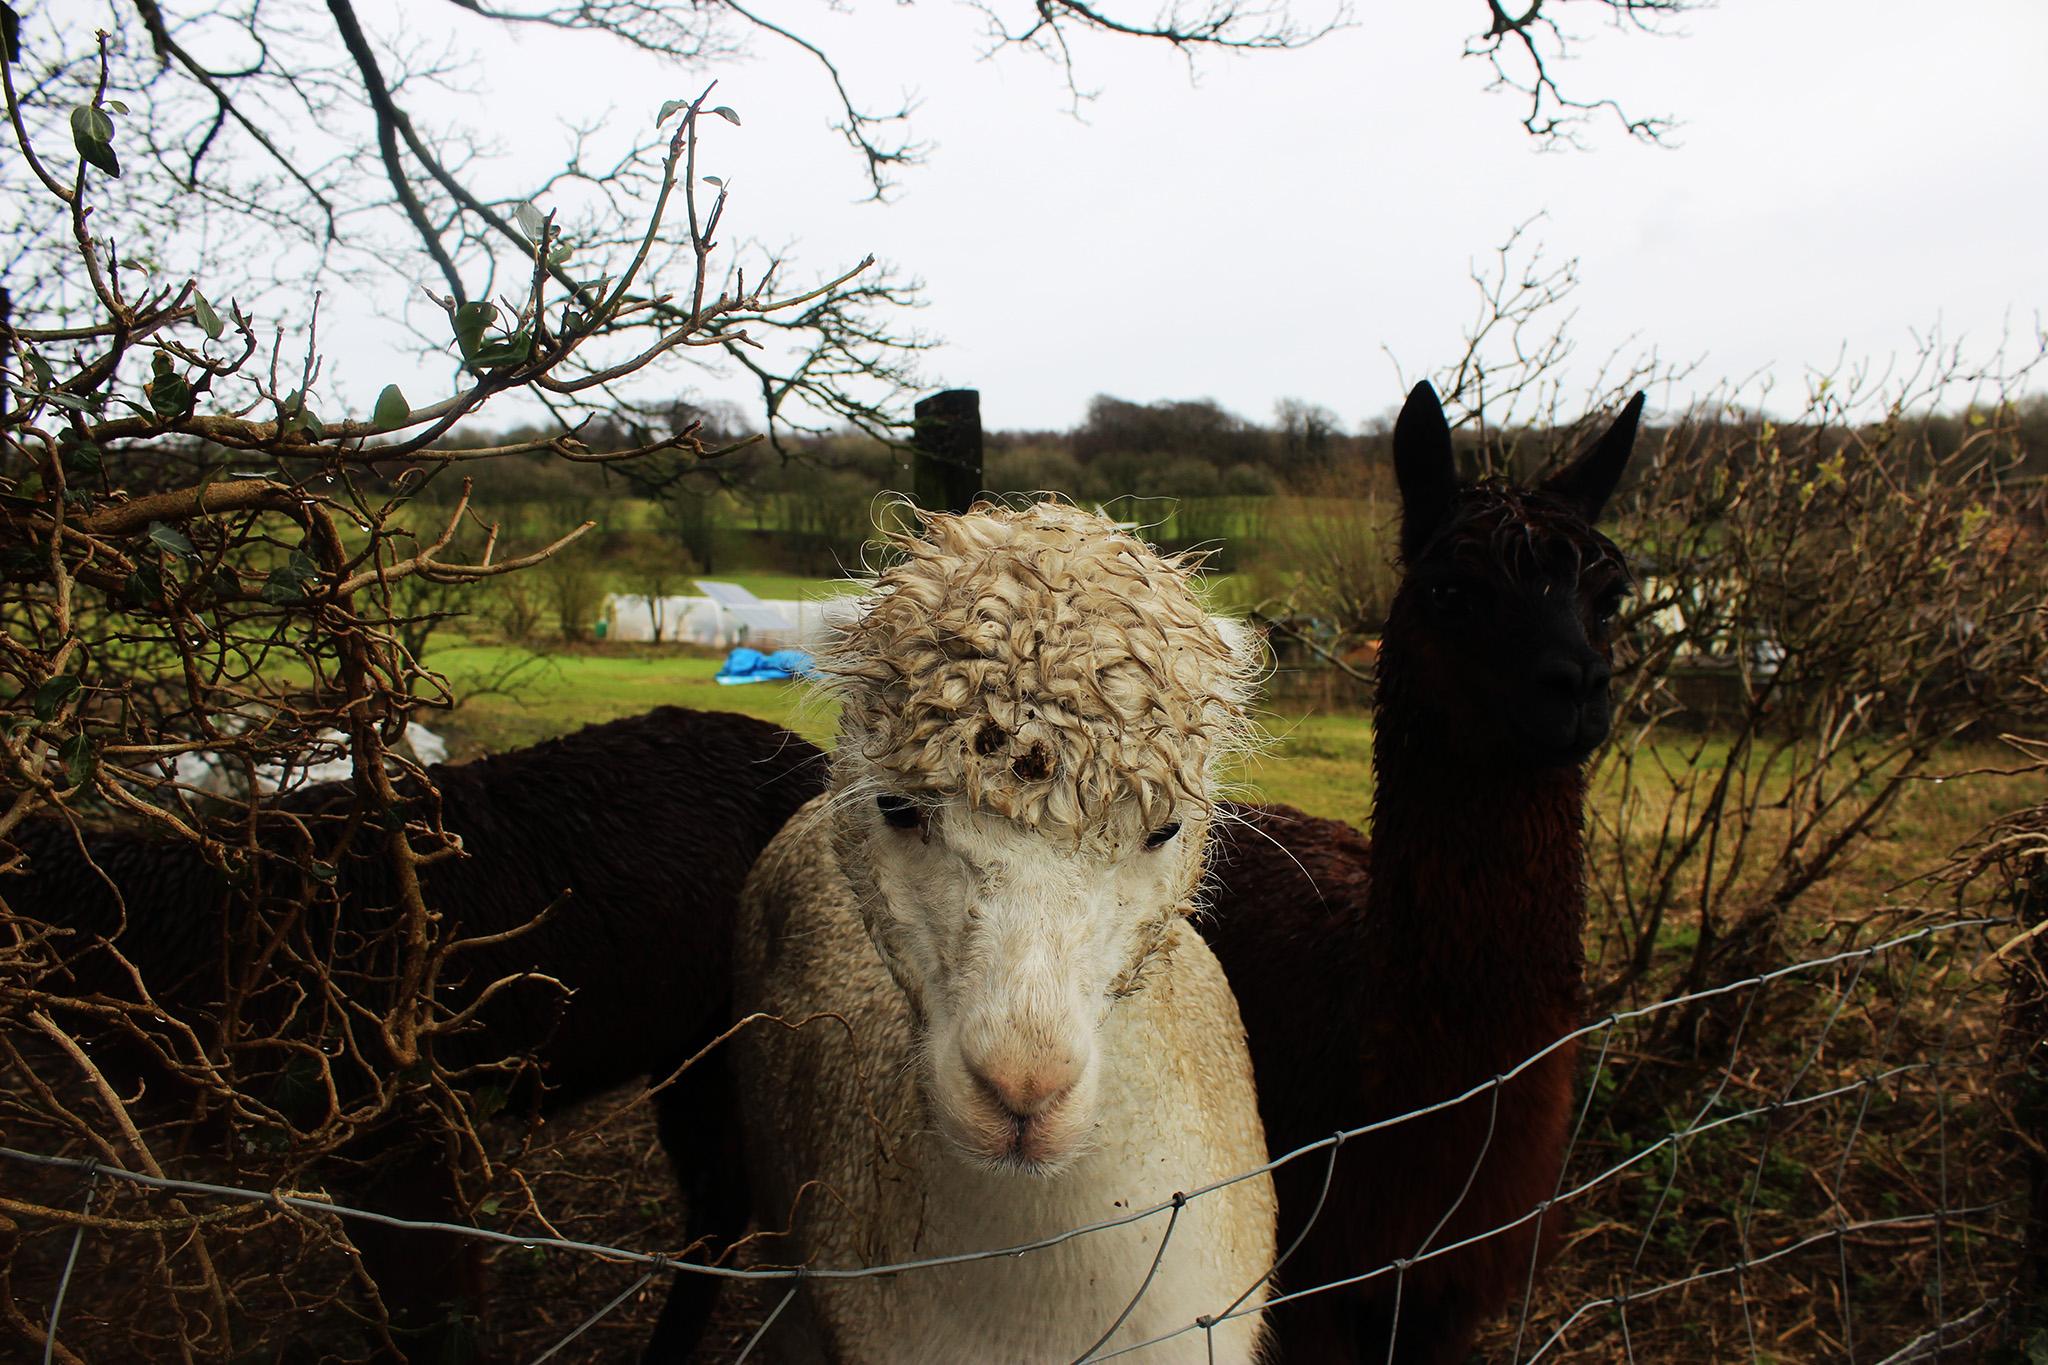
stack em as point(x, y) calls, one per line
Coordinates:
point(992, 898)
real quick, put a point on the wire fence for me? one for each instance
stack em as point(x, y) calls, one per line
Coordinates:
point(1921, 1048)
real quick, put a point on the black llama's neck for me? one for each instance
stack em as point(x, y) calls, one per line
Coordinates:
point(1478, 864)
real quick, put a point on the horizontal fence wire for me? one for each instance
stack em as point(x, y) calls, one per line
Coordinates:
point(1788, 1100)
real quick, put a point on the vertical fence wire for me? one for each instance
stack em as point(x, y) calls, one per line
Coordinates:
point(92, 1176)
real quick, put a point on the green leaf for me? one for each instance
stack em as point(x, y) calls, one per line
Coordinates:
point(470, 321)
point(714, 180)
point(296, 416)
point(80, 758)
point(117, 106)
point(70, 400)
point(79, 456)
point(511, 350)
point(53, 694)
point(40, 369)
point(728, 115)
point(208, 320)
point(166, 537)
point(290, 413)
point(392, 410)
point(224, 583)
point(531, 220)
point(559, 252)
point(144, 587)
point(93, 133)
point(287, 582)
point(669, 108)
point(169, 392)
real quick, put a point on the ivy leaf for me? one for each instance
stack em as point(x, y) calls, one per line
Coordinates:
point(169, 392)
point(510, 350)
point(559, 252)
point(532, 221)
point(714, 180)
point(470, 321)
point(295, 416)
point(208, 320)
point(80, 456)
point(669, 108)
point(144, 587)
point(170, 538)
point(53, 694)
point(287, 582)
point(392, 410)
point(40, 368)
point(728, 115)
point(80, 758)
point(93, 134)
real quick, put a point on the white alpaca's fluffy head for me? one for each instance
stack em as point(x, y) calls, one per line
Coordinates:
point(1034, 704)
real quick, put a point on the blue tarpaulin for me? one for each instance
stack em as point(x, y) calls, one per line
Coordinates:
point(745, 665)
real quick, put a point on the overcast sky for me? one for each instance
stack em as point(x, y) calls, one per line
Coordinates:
point(1847, 174)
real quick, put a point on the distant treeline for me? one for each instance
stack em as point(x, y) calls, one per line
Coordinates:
point(1176, 449)
point(1300, 499)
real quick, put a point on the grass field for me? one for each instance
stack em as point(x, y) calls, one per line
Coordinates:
point(787, 587)
point(1322, 763)
point(1319, 761)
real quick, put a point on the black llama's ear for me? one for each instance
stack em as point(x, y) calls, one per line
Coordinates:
point(1590, 480)
point(1423, 468)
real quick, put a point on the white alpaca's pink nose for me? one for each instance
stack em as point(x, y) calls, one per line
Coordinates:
point(1026, 1086)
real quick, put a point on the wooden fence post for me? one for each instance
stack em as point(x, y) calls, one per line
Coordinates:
point(946, 466)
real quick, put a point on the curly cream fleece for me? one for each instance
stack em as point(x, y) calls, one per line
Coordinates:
point(1043, 664)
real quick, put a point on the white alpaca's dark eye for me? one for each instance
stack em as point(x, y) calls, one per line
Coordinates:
point(899, 812)
point(1160, 837)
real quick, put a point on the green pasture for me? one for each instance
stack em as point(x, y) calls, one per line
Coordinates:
point(511, 697)
point(786, 587)
point(1318, 761)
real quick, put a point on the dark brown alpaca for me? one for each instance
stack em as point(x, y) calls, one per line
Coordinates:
point(649, 823)
point(1378, 979)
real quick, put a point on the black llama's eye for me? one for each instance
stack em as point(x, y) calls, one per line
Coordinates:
point(1159, 838)
point(1453, 599)
point(899, 812)
point(1607, 608)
